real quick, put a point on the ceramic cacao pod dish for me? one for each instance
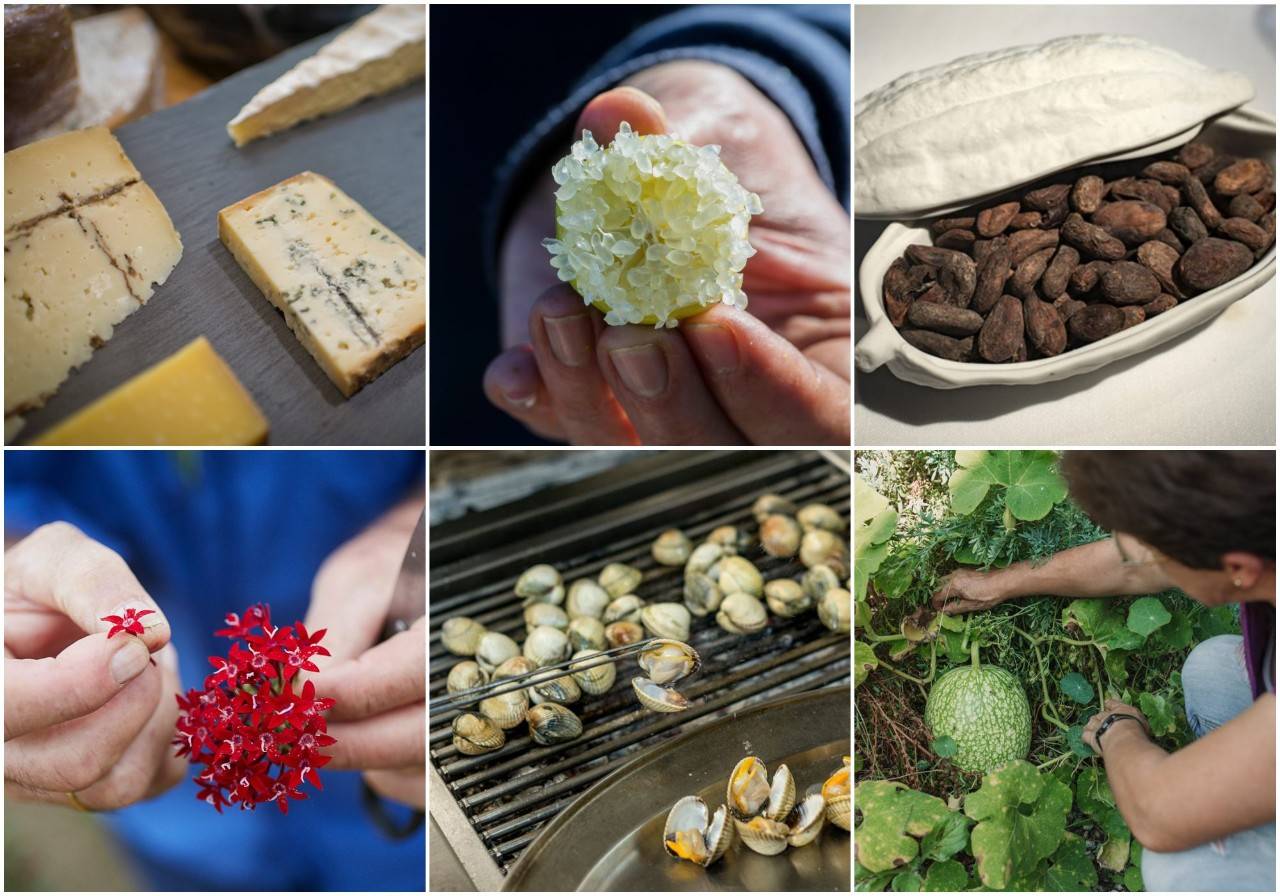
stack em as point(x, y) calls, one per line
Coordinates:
point(1055, 208)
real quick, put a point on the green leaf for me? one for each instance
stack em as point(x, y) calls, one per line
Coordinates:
point(1071, 869)
point(864, 660)
point(946, 877)
point(893, 818)
point(1146, 614)
point(1021, 817)
point(1077, 687)
point(1032, 481)
point(968, 487)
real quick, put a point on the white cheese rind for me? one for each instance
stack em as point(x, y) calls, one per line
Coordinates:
point(988, 122)
point(380, 52)
point(351, 290)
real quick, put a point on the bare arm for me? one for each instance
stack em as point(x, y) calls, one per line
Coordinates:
point(1222, 783)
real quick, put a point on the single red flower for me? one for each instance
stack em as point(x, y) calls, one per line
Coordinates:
point(130, 622)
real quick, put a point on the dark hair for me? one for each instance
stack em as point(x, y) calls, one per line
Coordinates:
point(1192, 506)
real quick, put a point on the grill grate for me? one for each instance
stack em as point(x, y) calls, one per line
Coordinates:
point(508, 795)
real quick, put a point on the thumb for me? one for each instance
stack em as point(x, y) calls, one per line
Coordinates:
point(606, 111)
point(81, 679)
point(749, 367)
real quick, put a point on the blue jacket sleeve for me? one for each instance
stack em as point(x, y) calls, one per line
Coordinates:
point(797, 56)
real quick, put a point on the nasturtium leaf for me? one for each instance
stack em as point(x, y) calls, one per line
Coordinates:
point(1146, 614)
point(1077, 687)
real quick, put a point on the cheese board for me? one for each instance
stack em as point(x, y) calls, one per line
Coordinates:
point(373, 152)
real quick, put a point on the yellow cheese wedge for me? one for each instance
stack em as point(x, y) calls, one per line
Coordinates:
point(190, 398)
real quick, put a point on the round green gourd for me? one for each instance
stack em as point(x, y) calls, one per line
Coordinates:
point(985, 711)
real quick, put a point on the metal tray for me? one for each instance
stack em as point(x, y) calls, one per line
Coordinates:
point(611, 837)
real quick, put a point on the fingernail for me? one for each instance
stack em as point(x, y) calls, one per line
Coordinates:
point(128, 662)
point(570, 339)
point(716, 344)
point(643, 369)
point(516, 386)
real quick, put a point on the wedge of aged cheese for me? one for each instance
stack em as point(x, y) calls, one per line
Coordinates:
point(352, 291)
point(190, 398)
point(85, 242)
point(380, 52)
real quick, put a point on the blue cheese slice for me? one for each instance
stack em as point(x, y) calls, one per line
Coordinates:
point(380, 52)
point(351, 290)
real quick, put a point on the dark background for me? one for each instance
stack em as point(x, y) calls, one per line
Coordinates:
point(495, 70)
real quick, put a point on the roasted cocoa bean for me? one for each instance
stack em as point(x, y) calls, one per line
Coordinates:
point(1244, 176)
point(940, 346)
point(1193, 155)
point(1133, 314)
point(1001, 334)
point(1162, 303)
point(1027, 275)
point(1164, 197)
point(983, 248)
point(1245, 206)
point(1268, 223)
point(1170, 239)
point(1187, 224)
point(1167, 172)
point(993, 221)
point(1025, 242)
point(992, 276)
point(1056, 276)
point(1045, 329)
point(1026, 221)
point(1067, 306)
point(1084, 279)
point(1208, 171)
point(942, 225)
point(1094, 322)
point(897, 297)
point(1212, 262)
point(1021, 351)
point(1198, 198)
point(1047, 198)
point(1091, 239)
point(1129, 283)
point(1086, 195)
point(1131, 221)
point(955, 239)
point(956, 271)
point(933, 294)
point(1266, 199)
point(945, 319)
point(1160, 259)
point(1242, 230)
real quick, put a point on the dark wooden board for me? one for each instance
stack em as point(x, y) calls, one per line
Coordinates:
point(375, 151)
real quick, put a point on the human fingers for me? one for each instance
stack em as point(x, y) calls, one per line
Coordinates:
point(59, 567)
point(392, 739)
point(564, 333)
point(514, 385)
point(386, 676)
point(656, 380)
point(606, 112)
point(407, 786)
point(769, 389)
point(73, 755)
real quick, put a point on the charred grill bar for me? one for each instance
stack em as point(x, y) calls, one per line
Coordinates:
point(508, 795)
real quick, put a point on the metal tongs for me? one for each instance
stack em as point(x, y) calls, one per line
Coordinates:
point(462, 699)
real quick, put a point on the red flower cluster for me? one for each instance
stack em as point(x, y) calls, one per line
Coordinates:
point(257, 738)
point(130, 622)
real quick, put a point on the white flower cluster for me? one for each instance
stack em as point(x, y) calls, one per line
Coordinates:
point(650, 229)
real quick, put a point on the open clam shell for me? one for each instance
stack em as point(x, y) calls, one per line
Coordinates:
point(748, 789)
point(669, 661)
point(655, 697)
point(693, 835)
point(835, 790)
point(474, 735)
point(805, 820)
point(551, 723)
point(782, 794)
point(763, 835)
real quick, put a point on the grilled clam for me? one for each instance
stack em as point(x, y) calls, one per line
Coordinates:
point(667, 661)
point(701, 594)
point(787, 597)
point(596, 680)
point(465, 676)
point(750, 792)
point(704, 557)
point(623, 609)
point(494, 649)
point(586, 598)
point(819, 516)
point(461, 635)
point(730, 539)
point(834, 610)
point(620, 634)
point(804, 821)
point(619, 579)
point(540, 584)
point(551, 723)
point(563, 690)
point(667, 620)
point(505, 710)
point(818, 581)
point(693, 834)
point(517, 665)
point(474, 734)
point(545, 614)
point(835, 790)
point(547, 646)
point(767, 505)
point(657, 698)
point(740, 574)
point(671, 548)
point(586, 633)
point(763, 835)
point(780, 536)
point(742, 614)
point(820, 547)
